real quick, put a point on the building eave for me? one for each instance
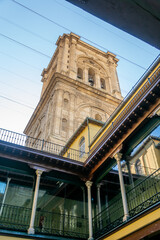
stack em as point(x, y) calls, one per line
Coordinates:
point(129, 95)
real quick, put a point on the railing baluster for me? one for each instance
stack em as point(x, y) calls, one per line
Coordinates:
point(27, 141)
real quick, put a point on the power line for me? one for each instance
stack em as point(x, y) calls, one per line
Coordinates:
point(19, 60)
point(22, 90)
point(11, 100)
point(26, 46)
point(99, 25)
point(126, 59)
point(11, 108)
point(25, 29)
point(42, 16)
point(68, 30)
point(17, 75)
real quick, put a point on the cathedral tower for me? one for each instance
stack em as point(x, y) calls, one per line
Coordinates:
point(80, 81)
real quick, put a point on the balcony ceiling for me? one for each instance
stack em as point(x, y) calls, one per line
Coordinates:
point(140, 18)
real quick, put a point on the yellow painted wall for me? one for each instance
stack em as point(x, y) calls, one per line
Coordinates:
point(137, 225)
point(93, 129)
point(103, 132)
point(157, 153)
point(75, 144)
point(149, 157)
point(14, 238)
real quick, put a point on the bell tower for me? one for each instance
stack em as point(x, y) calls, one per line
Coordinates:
point(80, 81)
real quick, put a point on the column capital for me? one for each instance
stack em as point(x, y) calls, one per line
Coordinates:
point(89, 184)
point(99, 185)
point(118, 156)
point(39, 172)
point(39, 168)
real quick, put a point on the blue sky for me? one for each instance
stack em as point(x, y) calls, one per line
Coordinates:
point(21, 67)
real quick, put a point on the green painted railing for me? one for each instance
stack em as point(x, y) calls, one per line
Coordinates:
point(39, 144)
point(14, 217)
point(50, 223)
point(61, 224)
point(144, 195)
point(109, 218)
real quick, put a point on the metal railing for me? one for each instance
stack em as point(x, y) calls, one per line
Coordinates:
point(14, 217)
point(109, 218)
point(142, 196)
point(38, 144)
point(61, 224)
point(18, 218)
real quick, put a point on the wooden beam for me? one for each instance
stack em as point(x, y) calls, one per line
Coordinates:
point(120, 142)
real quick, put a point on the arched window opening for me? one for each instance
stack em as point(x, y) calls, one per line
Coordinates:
point(82, 147)
point(66, 102)
point(91, 75)
point(64, 124)
point(79, 73)
point(138, 167)
point(103, 85)
point(98, 117)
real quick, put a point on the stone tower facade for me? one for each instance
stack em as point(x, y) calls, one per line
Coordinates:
point(80, 81)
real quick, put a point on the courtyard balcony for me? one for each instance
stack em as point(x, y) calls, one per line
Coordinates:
point(17, 218)
point(140, 198)
point(42, 145)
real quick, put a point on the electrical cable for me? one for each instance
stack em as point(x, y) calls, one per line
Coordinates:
point(18, 75)
point(22, 90)
point(9, 99)
point(19, 60)
point(45, 54)
point(25, 29)
point(99, 25)
point(11, 109)
point(67, 29)
point(26, 46)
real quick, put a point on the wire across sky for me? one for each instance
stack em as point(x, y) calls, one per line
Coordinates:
point(29, 31)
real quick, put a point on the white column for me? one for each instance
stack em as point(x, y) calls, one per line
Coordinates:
point(4, 197)
point(118, 157)
point(89, 184)
point(34, 206)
